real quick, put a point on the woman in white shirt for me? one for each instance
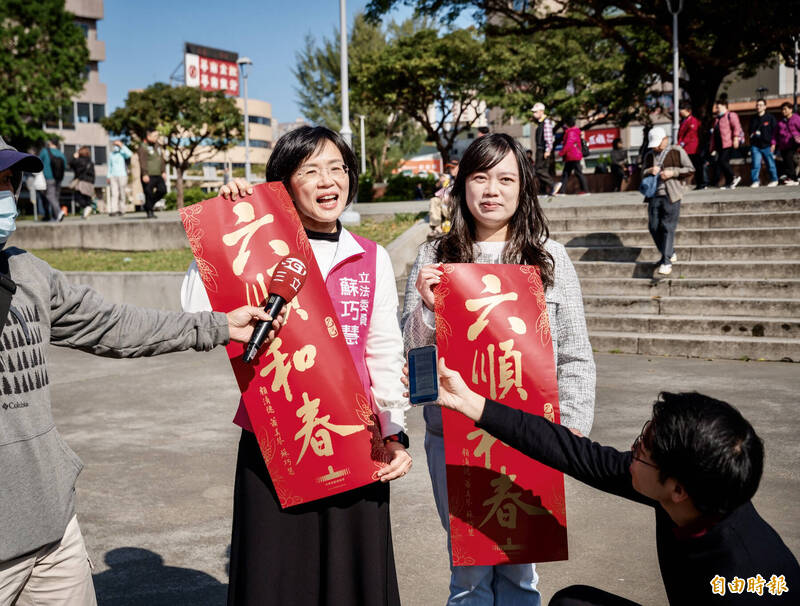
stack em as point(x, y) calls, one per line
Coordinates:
point(336, 550)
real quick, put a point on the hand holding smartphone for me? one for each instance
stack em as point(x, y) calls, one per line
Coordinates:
point(423, 378)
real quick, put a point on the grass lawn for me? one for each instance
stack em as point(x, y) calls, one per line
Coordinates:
point(74, 259)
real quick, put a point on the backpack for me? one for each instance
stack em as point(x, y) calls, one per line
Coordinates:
point(7, 289)
point(57, 167)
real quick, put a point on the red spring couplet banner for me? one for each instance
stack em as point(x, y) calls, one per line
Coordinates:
point(314, 423)
point(492, 326)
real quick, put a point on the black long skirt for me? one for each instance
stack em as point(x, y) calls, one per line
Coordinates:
point(331, 552)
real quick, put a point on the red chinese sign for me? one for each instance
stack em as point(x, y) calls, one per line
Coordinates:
point(211, 74)
point(601, 138)
point(492, 326)
point(314, 423)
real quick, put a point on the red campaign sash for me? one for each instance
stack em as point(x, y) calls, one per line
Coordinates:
point(492, 326)
point(313, 421)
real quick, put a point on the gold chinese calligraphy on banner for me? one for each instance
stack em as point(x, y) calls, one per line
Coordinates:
point(303, 395)
point(492, 326)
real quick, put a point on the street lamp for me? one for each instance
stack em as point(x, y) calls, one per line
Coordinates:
point(675, 65)
point(346, 132)
point(243, 63)
point(363, 146)
point(350, 216)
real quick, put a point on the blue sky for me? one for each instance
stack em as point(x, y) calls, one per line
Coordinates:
point(144, 41)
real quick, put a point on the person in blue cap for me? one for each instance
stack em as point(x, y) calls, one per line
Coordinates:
point(43, 558)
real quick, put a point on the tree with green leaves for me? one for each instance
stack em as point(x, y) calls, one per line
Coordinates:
point(437, 79)
point(574, 72)
point(717, 39)
point(43, 57)
point(390, 135)
point(194, 124)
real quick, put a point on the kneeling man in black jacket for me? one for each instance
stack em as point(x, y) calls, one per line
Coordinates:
point(697, 462)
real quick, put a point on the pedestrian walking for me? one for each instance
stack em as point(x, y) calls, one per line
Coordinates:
point(543, 139)
point(727, 136)
point(83, 184)
point(572, 152)
point(763, 130)
point(439, 208)
point(37, 186)
point(154, 172)
point(55, 164)
point(619, 163)
point(788, 142)
point(689, 140)
point(668, 164)
point(118, 177)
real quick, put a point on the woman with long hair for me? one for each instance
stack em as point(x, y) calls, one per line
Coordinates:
point(496, 218)
point(336, 550)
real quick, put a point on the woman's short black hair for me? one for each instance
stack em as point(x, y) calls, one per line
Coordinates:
point(569, 121)
point(708, 447)
point(293, 148)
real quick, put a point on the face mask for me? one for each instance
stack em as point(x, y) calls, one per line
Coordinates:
point(8, 215)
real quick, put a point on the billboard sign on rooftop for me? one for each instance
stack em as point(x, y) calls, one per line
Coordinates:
point(211, 69)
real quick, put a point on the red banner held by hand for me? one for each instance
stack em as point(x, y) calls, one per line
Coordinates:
point(492, 326)
point(313, 421)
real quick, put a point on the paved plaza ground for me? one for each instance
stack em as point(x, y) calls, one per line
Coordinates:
point(154, 500)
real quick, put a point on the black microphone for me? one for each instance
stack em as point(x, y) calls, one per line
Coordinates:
point(287, 279)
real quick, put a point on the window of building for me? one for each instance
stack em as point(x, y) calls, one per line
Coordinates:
point(260, 143)
point(69, 151)
point(98, 112)
point(52, 121)
point(68, 116)
point(260, 120)
point(99, 155)
point(84, 113)
point(84, 28)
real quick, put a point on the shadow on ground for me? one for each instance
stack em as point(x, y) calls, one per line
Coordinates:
point(139, 576)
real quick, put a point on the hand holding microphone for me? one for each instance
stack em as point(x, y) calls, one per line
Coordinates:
point(287, 279)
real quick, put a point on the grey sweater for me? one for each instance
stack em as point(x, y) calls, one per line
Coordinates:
point(572, 351)
point(37, 468)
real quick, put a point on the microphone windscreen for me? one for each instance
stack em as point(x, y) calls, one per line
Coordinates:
point(288, 277)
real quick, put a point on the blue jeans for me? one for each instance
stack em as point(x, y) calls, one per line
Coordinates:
point(502, 585)
point(756, 170)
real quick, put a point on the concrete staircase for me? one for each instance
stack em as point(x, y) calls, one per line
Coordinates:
point(733, 294)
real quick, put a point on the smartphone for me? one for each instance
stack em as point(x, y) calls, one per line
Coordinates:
point(423, 378)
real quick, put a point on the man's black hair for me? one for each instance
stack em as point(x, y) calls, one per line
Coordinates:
point(294, 147)
point(708, 447)
point(786, 104)
point(722, 101)
point(685, 104)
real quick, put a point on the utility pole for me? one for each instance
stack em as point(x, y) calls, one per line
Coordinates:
point(363, 146)
point(675, 67)
point(244, 62)
point(346, 132)
point(350, 216)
